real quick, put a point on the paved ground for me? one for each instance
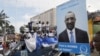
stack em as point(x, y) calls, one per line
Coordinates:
point(95, 53)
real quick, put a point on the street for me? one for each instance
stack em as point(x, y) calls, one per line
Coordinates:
point(95, 53)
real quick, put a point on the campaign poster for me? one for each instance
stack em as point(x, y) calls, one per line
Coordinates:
point(72, 27)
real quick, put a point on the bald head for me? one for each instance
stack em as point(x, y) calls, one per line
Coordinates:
point(70, 20)
point(70, 14)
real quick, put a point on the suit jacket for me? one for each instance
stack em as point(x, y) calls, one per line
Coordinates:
point(81, 37)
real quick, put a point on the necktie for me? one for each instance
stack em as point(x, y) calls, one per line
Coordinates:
point(72, 41)
point(72, 37)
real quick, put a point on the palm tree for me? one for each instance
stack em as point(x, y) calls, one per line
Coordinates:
point(3, 23)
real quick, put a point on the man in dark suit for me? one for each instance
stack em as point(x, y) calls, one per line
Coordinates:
point(79, 36)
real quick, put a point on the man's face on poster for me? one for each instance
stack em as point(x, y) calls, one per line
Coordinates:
point(70, 20)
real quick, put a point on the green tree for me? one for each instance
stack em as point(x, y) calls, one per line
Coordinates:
point(22, 29)
point(3, 23)
point(10, 29)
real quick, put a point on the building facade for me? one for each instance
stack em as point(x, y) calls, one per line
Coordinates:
point(49, 15)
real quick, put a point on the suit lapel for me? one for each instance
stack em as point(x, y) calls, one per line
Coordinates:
point(66, 36)
point(77, 35)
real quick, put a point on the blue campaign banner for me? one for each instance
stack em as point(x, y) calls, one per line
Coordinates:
point(72, 27)
point(78, 48)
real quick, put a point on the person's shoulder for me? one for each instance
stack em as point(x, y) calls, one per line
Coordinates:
point(80, 30)
point(63, 32)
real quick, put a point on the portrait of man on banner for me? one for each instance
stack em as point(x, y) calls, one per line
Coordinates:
point(72, 34)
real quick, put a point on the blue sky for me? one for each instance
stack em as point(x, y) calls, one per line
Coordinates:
point(20, 11)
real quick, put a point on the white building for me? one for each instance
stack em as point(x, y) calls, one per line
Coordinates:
point(49, 15)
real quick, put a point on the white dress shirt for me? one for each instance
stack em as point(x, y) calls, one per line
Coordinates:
point(69, 35)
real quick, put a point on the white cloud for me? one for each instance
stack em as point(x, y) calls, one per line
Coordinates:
point(42, 5)
point(11, 18)
point(27, 17)
point(17, 25)
point(93, 5)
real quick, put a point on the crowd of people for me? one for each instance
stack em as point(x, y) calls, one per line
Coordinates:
point(40, 38)
point(44, 29)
